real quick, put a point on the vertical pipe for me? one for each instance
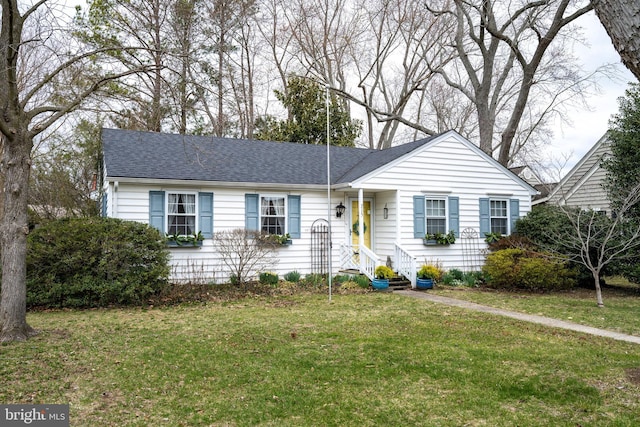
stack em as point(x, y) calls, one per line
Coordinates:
point(329, 190)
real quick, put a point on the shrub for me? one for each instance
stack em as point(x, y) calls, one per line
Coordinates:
point(384, 272)
point(292, 276)
point(352, 287)
point(268, 278)
point(453, 277)
point(341, 278)
point(362, 281)
point(94, 262)
point(473, 278)
point(314, 279)
point(519, 269)
point(512, 241)
point(244, 253)
point(428, 271)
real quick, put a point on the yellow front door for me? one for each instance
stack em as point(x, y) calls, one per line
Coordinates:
point(366, 215)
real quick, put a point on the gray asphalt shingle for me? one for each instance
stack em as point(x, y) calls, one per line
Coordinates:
point(137, 154)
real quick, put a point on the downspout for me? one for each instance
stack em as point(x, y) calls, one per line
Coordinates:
point(114, 203)
point(360, 224)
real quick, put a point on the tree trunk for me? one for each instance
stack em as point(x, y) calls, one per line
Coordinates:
point(596, 277)
point(620, 19)
point(13, 238)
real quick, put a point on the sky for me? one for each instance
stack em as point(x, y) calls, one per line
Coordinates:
point(587, 126)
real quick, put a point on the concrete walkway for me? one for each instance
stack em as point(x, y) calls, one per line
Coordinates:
point(547, 321)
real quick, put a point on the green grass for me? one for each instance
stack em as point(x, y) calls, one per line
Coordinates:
point(363, 360)
point(620, 313)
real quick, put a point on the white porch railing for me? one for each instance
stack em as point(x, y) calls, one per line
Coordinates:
point(406, 264)
point(349, 257)
point(362, 259)
point(368, 262)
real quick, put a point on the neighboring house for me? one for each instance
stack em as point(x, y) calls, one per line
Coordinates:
point(582, 186)
point(392, 197)
point(530, 176)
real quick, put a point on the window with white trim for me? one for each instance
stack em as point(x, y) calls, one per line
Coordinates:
point(181, 213)
point(436, 215)
point(273, 214)
point(499, 216)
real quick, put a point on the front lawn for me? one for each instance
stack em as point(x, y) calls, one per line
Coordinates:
point(363, 360)
point(620, 312)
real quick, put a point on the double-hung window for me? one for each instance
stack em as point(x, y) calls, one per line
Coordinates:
point(436, 216)
point(499, 217)
point(181, 213)
point(273, 215)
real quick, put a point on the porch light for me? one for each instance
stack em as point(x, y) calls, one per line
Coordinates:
point(385, 211)
point(340, 210)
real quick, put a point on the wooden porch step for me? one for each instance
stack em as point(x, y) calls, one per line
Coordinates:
point(351, 271)
point(399, 284)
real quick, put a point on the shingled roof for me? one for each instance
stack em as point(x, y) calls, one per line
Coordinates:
point(151, 155)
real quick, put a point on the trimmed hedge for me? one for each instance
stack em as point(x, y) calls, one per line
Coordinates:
point(520, 269)
point(95, 262)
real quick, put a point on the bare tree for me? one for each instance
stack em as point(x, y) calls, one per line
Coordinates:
point(43, 77)
point(595, 240)
point(494, 71)
point(142, 23)
point(245, 252)
point(512, 63)
point(620, 19)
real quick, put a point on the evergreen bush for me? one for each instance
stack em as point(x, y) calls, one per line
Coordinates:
point(95, 262)
point(520, 269)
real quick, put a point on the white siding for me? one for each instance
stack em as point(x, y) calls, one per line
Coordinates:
point(204, 264)
point(451, 167)
point(448, 168)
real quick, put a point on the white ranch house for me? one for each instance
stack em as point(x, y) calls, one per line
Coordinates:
point(392, 198)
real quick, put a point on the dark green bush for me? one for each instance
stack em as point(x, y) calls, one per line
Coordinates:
point(94, 262)
point(292, 276)
point(268, 278)
point(362, 281)
point(520, 269)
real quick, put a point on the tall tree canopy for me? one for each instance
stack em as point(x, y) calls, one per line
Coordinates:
point(305, 101)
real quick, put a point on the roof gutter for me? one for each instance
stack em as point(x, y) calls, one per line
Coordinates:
point(202, 183)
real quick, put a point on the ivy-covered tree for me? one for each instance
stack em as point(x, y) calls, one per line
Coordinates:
point(305, 101)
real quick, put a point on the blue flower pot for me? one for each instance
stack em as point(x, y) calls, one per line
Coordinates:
point(380, 283)
point(424, 283)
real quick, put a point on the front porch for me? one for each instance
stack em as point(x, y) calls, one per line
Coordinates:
point(364, 261)
point(380, 229)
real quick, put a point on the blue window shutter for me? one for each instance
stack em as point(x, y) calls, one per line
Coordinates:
point(104, 204)
point(205, 205)
point(514, 213)
point(156, 210)
point(294, 217)
point(419, 218)
point(251, 212)
point(485, 217)
point(454, 215)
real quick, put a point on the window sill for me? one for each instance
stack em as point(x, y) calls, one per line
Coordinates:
point(173, 244)
point(433, 243)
